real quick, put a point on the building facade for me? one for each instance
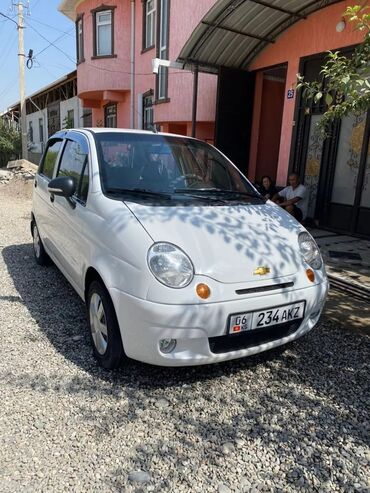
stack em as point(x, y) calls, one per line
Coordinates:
point(48, 110)
point(116, 43)
point(257, 49)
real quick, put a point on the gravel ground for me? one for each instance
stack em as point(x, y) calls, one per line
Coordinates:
point(289, 422)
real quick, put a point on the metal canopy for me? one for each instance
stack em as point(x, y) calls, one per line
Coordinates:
point(234, 32)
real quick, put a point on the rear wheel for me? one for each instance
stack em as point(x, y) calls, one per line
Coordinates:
point(104, 329)
point(41, 256)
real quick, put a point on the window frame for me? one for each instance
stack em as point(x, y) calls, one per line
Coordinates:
point(41, 130)
point(73, 116)
point(82, 140)
point(162, 51)
point(153, 13)
point(107, 116)
point(30, 131)
point(103, 8)
point(80, 55)
point(51, 142)
point(147, 95)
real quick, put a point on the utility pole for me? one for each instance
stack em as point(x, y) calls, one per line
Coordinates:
point(21, 59)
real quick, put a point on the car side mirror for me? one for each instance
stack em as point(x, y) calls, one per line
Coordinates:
point(63, 186)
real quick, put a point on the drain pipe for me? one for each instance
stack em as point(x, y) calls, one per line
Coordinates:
point(132, 112)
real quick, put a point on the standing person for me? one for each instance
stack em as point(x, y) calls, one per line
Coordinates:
point(267, 189)
point(293, 198)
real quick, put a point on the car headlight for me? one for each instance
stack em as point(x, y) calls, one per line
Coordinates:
point(170, 265)
point(309, 250)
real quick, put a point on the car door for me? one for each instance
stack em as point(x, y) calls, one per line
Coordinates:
point(69, 228)
point(42, 201)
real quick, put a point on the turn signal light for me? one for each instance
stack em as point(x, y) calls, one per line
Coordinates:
point(310, 275)
point(203, 291)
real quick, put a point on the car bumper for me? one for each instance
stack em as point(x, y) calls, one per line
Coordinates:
point(201, 330)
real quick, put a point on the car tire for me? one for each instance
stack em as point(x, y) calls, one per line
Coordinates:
point(104, 329)
point(41, 257)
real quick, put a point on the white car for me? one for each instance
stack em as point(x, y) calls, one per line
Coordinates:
point(179, 259)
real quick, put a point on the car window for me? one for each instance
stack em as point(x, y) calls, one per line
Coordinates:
point(164, 163)
point(74, 164)
point(50, 158)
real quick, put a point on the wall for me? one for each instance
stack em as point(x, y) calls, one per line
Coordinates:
point(97, 76)
point(315, 34)
point(37, 147)
point(71, 104)
point(105, 73)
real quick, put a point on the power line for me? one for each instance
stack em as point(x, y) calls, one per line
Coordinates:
point(51, 27)
point(9, 18)
point(51, 43)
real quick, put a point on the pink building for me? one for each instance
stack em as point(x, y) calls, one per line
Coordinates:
point(116, 43)
point(248, 53)
point(258, 47)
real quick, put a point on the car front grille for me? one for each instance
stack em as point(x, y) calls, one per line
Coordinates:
point(252, 338)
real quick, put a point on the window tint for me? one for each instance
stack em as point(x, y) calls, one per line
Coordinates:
point(51, 158)
point(74, 164)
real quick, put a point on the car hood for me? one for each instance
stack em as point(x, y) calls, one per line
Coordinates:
point(228, 243)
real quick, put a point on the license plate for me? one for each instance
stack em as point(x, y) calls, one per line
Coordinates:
point(266, 318)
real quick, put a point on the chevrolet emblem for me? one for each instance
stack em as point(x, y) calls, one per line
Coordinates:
point(261, 271)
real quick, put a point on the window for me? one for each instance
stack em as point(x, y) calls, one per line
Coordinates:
point(41, 129)
point(103, 33)
point(87, 117)
point(50, 158)
point(149, 24)
point(74, 163)
point(110, 116)
point(71, 118)
point(162, 78)
point(30, 131)
point(80, 39)
point(148, 111)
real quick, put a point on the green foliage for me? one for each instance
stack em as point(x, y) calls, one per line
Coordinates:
point(10, 143)
point(67, 123)
point(345, 84)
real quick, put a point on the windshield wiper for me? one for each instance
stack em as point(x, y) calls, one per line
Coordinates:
point(237, 192)
point(218, 191)
point(141, 191)
point(194, 194)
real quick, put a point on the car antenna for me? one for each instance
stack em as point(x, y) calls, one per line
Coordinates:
point(154, 129)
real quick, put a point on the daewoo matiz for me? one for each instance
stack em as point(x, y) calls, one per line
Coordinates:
point(179, 259)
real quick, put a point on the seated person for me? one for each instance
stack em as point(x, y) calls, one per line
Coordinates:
point(267, 189)
point(293, 198)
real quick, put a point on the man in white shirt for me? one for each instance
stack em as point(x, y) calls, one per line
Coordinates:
point(293, 198)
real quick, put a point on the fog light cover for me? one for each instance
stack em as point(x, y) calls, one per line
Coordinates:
point(167, 345)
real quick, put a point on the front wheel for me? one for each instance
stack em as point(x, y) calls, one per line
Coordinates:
point(104, 329)
point(41, 256)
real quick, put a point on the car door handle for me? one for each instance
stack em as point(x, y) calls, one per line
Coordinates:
point(52, 198)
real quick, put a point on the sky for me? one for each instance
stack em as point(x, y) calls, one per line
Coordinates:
point(43, 24)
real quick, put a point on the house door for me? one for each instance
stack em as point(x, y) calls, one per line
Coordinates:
point(347, 204)
point(336, 170)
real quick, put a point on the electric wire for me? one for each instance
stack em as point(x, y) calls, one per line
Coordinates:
point(51, 43)
point(32, 19)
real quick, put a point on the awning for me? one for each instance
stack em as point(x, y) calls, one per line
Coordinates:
point(234, 32)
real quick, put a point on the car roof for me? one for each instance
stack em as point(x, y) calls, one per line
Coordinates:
point(99, 130)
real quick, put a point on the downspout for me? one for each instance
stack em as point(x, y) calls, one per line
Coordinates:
point(132, 102)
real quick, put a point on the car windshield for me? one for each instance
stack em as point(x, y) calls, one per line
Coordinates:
point(145, 163)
